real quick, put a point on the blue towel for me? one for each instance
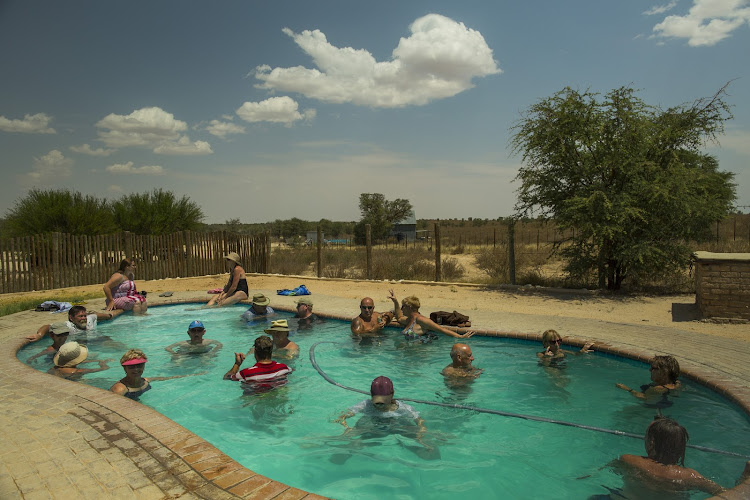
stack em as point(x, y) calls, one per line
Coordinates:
point(300, 290)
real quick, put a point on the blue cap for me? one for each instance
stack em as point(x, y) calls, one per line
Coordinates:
point(196, 324)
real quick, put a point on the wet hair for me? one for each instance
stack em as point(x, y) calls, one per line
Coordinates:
point(668, 440)
point(125, 263)
point(549, 336)
point(263, 347)
point(669, 364)
point(411, 302)
point(75, 310)
point(132, 354)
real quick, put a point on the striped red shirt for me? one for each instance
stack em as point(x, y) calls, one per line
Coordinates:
point(263, 376)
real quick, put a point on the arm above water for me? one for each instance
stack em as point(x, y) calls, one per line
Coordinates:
point(427, 324)
point(41, 332)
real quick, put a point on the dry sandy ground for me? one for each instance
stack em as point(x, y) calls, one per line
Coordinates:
point(476, 301)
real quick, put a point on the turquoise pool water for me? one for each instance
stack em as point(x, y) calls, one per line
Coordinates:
point(290, 435)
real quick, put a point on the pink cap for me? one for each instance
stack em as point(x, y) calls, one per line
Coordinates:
point(136, 361)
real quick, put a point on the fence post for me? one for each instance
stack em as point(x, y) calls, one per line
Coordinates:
point(717, 231)
point(320, 252)
point(494, 237)
point(267, 266)
point(55, 260)
point(368, 253)
point(438, 261)
point(512, 251)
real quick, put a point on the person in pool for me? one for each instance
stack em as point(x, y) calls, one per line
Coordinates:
point(265, 374)
point(282, 346)
point(133, 385)
point(236, 288)
point(416, 326)
point(664, 463)
point(552, 353)
point(461, 366)
point(79, 323)
point(369, 321)
point(197, 344)
point(306, 317)
point(69, 356)
point(260, 308)
point(58, 332)
point(665, 371)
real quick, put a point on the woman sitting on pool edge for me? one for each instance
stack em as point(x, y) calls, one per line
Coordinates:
point(236, 288)
point(664, 373)
point(133, 385)
point(551, 341)
point(120, 292)
point(416, 326)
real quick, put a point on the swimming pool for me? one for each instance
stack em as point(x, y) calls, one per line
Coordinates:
point(289, 434)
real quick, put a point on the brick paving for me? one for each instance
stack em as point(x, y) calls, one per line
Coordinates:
point(63, 439)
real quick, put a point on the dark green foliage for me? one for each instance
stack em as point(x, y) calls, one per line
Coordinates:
point(381, 214)
point(629, 178)
point(58, 211)
point(158, 212)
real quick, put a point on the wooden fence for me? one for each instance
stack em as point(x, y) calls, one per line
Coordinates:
point(56, 260)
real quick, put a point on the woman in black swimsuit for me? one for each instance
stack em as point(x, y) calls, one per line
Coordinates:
point(664, 373)
point(236, 288)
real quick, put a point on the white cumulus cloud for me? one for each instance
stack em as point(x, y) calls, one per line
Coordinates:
point(438, 60)
point(275, 109)
point(707, 23)
point(222, 129)
point(86, 150)
point(128, 168)
point(31, 124)
point(49, 169)
point(151, 128)
point(183, 146)
point(660, 9)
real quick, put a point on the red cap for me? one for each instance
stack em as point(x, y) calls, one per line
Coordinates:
point(381, 386)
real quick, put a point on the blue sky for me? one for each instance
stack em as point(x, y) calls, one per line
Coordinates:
point(272, 110)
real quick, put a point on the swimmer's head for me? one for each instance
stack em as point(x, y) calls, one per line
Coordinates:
point(461, 355)
point(667, 364)
point(411, 302)
point(381, 392)
point(549, 337)
point(666, 441)
point(263, 347)
point(133, 357)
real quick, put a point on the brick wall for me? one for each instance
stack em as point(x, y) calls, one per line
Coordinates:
point(722, 284)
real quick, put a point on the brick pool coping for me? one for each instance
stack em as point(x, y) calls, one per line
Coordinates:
point(126, 435)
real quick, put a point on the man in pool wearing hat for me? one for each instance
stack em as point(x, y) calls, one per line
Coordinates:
point(369, 320)
point(282, 346)
point(265, 374)
point(197, 344)
point(58, 332)
point(461, 366)
point(259, 308)
point(304, 312)
point(383, 415)
point(69, 356)
point(80, 322)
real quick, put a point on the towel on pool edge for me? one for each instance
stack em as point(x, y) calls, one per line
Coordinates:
point(300, 290)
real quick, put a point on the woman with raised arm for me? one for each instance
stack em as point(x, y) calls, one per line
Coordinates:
point(417, 327)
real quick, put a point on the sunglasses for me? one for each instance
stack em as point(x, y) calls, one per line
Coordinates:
point(196, 330)
point(556, 341)
point(367, 307)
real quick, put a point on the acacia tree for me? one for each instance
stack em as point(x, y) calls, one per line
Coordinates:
point(61, 210)
point(381, 214)
point(630, 178)
point(157, 212)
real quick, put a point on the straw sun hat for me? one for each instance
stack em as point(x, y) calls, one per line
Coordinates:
point(278, 326)
point(233, 256)
point(70, 354)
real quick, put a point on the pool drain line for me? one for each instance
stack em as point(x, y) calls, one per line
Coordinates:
point(504, 413)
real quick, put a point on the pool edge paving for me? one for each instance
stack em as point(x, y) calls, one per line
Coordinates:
point(66, 439)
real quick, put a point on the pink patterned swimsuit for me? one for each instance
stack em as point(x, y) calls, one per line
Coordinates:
point(125, 295)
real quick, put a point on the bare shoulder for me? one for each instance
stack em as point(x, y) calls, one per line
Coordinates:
point(119, 388)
